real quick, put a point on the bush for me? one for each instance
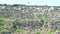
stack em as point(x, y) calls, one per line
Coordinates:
point(0, 27)
point(13, 28)
point(37, 33)
point(2, 19)
point(59, 29)
point(16, 22)
point(17, 30)
point(49, 32)
point(8, 25)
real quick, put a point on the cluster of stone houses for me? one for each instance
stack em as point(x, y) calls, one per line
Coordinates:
point(28, 11)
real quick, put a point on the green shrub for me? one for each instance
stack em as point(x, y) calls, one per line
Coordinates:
point(8, 25)
point(49, 32)
point(17, 30)
point(13, 28)
point(2, 19)
point(37, 33)
point(58, 20)
point(59, 29)
point(0, 27)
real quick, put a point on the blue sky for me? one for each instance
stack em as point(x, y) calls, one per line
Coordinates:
point(32, 2)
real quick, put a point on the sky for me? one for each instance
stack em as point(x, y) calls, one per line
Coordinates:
point(32, 2)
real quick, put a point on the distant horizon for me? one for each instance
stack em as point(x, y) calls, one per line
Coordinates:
point(29, 5)
point(32, 2)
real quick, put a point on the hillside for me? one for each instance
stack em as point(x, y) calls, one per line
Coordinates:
point(29, 19)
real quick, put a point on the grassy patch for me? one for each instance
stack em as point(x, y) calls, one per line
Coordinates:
point(59, 29)
point(0, 27)
point(8, 25)
point(49, 32)
point(2, 19)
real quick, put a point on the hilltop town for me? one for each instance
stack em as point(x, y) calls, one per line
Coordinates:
point(29, 19)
